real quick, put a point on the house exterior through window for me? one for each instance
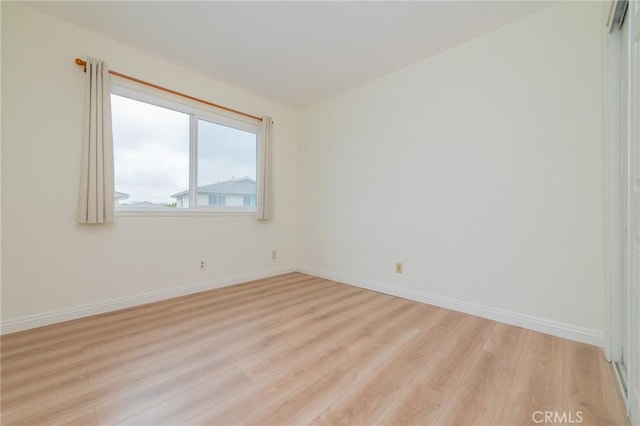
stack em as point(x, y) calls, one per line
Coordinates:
point(240, 192)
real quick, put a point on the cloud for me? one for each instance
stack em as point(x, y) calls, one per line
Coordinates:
point(224, 153)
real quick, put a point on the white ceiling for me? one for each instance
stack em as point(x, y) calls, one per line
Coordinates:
point(294, 53)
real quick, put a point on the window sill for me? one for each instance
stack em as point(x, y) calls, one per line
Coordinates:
point(182, 212)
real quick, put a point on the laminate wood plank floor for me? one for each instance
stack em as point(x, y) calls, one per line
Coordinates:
point(296, 349)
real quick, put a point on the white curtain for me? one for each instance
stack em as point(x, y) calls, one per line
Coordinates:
point(97, 196)
point(265, 208)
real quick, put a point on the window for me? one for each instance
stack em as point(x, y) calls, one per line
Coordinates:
point(217, 200)
point(172, 155)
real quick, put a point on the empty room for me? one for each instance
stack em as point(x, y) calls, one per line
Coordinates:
point(291, 213)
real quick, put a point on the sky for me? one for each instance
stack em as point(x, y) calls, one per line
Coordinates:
point(151, 151)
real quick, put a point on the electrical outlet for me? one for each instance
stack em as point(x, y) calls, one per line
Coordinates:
point(274, 254)
point(203, 265)
point(398, 267)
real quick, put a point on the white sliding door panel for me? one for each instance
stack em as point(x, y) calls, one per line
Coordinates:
point(633, 363)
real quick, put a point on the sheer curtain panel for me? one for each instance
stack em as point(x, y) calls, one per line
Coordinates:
point(96, 198)
point(264, 207)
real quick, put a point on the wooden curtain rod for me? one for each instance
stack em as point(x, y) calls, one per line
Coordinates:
point(82, 63)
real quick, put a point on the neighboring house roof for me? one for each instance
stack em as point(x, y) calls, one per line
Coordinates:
point(121, 196)
point(240, 186)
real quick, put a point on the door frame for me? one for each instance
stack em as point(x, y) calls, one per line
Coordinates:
point(614, 192)
point(620, 249)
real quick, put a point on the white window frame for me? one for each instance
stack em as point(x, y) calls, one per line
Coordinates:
point(196, 111)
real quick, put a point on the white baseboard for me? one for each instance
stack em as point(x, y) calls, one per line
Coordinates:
point(554, 328)
point(33, 321)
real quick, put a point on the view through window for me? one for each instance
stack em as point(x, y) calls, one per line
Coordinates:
point(168, 158)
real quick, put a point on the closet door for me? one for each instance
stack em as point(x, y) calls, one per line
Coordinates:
point(633, 126)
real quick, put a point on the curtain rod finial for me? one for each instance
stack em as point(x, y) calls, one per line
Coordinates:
point(81, 63)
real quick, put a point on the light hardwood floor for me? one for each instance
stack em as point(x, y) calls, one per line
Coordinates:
point(296, 349)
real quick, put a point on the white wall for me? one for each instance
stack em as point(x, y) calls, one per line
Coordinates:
point(480, 168)
point(49, 262)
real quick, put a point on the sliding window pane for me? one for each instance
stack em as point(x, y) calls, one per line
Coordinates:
point(226, 166)
point(151, 152)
